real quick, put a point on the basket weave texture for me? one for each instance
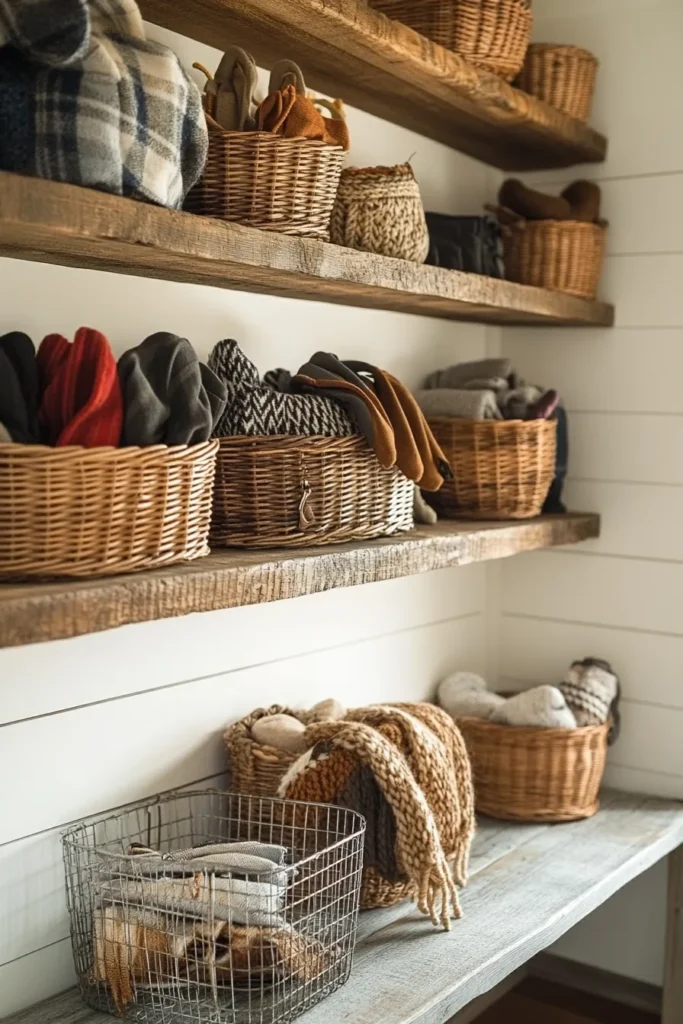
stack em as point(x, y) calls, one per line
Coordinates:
point(379, 209)
point(562, 255)
point(527, 774)
point(258, 769)
point(268, 182)
point(95, 511)
point(491, 34)
point(563, 76)
point(295, 491)
point(501, 469)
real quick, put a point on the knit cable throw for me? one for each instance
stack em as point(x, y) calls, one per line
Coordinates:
point(417, 757)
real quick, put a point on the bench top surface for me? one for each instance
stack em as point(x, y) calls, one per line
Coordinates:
point(528, 885)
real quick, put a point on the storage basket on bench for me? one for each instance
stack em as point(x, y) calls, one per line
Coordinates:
point(285, 491)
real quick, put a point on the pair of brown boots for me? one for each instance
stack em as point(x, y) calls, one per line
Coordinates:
point(579, 201)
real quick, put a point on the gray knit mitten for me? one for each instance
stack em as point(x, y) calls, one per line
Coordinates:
point(591, 689)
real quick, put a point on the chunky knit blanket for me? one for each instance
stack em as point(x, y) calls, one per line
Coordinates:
point(416, 756)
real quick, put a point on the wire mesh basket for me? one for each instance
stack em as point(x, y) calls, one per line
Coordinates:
point(213, 908)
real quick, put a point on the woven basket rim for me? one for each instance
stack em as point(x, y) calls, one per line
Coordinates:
point(103, 451)
point(492, 424)
point(380, 171)
point(528, 732)
point(271, 137)
point(566, 49)
point(585, 225)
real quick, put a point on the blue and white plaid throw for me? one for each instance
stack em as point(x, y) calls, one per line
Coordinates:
point(86, 99)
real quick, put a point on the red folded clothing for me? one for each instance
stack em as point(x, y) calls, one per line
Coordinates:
point(82, 402)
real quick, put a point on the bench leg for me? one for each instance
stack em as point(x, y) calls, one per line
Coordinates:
point(672, 1002)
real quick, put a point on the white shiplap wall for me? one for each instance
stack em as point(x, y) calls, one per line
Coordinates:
point(90, 723)
point(620, 596)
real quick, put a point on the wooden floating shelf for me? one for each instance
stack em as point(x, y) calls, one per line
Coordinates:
point(31, 613)
point(347, 49)
point(55, 223)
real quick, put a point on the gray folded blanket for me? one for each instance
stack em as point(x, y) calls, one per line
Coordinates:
point(201, 895)
point(459, 404)
point(487, 372)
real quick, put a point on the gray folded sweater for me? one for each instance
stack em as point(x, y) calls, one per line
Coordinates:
point(459, 404)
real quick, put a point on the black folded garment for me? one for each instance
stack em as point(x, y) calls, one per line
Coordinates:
point(472, 244)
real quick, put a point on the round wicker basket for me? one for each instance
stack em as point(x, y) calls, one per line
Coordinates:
point(96, 511)
point(296, 491)
point(502, 469)
point(562, 255)
point(527, 774)
point(563, 76)
point(268, 182)
point(491, 34)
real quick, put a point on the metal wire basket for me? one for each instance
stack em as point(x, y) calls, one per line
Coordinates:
point(177, 915)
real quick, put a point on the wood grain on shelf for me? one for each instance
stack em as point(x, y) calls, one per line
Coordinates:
point(55, 223)
point(34, 612)
point(349, 50)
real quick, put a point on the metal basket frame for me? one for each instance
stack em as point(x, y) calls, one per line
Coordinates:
point(143, 954)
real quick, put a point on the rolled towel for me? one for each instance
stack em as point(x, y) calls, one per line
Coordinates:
point(542, 707)
point(473, 704)
point(281, 731)
point(459, 403)
point(458, 681)
point(329, 710)
point(592, 691)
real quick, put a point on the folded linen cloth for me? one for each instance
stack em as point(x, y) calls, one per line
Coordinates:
point(81, 401)
point(19, 388)
point(85, 98)
point(225, 856)
point(483, 371)
point(169, 396)
point(459, 404)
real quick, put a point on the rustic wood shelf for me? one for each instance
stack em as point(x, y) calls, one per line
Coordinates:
point(33, 612)
point(348, 50)
point(55, 223)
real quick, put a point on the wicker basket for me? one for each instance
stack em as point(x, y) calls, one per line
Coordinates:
point(297, 491)
point(563, 76)
point(258, 770)
point(491, 34)
point(379, 209)
point(527, 774)
point(96, 511)
point(562, 255)
point(268, 182)
point(502, 469)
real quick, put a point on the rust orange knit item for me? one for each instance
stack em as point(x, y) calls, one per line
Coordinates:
point(293, 115)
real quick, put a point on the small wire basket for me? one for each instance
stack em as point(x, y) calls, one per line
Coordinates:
point(213, 908)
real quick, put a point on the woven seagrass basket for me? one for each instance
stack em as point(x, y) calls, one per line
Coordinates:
point(284, 491)
point(527, 774)
point(379, 209)
point(563, 76)
point(502, 469)
point(562, 255)
point(491, 34)
point(96, 511)
point(258, 769)
point(268, 182)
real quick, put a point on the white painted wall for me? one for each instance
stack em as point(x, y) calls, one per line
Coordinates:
point(620, 596)
point(91, 723)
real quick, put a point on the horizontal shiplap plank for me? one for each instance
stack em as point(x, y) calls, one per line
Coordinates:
point(157, 740)
point(638, 780)
point(36, 977)
point(649, 665)
point(620, 447)
point(606, 591)
point(637, 370)
point(150, 655)
point(645, 289)
point(637, 520)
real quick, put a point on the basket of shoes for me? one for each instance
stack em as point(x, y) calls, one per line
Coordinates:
point(563, 76)
point(314, 458)
point(491, 34)
point(74, 503)
point(538, 755)
point(277, 167)
point(204, 905)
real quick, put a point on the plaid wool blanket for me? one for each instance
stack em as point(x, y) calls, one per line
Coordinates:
point(86, 99)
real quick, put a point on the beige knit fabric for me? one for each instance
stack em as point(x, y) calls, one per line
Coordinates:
point(379, 209)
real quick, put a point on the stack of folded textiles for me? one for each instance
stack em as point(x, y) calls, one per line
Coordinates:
point(74, 393)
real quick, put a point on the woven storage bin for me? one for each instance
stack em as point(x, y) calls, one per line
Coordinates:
point(491, 34)
point(502, 469)
point(258, 770)
point(563, 76)
point(268, 182)
point(562, 255)
point(95, 511)
point(379, 209)
point(526, 774)
point(296, 491)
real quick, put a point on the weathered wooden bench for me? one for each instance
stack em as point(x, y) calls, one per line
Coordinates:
point(528, 885)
